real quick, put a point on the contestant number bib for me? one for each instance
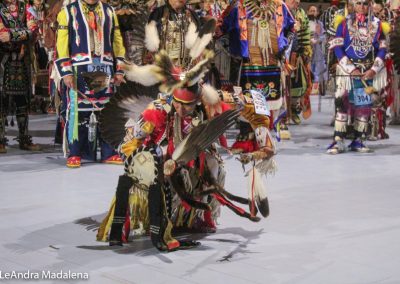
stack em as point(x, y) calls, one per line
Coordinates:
point(100, 68)
point(260, 103)
point(361, 98)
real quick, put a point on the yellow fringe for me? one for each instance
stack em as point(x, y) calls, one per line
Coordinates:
point(102, 233)
point(191, 217)
point(138, 202)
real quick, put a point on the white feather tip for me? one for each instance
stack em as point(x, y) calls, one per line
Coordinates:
point(191, 36)
point(152, 40)
point(210, 95)
point(141, 74)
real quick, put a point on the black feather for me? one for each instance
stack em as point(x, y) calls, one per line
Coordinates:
point(203, 135)
point(116, 112)
point(179, 186)
point(263, 206)
point(133, 30)
point(208, 27)
point(166, 71)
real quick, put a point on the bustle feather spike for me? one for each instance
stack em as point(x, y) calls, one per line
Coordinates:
point(198, 71)
point(145, 75)
point(204, 38)
point(191, 36)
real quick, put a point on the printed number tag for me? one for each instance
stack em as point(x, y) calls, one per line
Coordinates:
point(361, 98)
point(100, 68)
point(260, 103)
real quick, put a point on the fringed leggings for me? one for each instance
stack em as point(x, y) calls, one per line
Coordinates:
point(18, 105)
point(347, 115)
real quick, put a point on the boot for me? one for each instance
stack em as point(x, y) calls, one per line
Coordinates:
point(121, 206)
point(25, 143)
point(3, 149)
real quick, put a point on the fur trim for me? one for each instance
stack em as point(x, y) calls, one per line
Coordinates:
point(144, 75)
point(191, 36)
point(152, 40)
point(210, 95)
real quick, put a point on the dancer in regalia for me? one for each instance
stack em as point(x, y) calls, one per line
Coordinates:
point(15, 79)
point(89, 55)
point(360, 48)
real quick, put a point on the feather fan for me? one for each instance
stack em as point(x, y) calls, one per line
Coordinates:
point(203, 135)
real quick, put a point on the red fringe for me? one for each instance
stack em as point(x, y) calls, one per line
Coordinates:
point(247, 146)
point(157, 117)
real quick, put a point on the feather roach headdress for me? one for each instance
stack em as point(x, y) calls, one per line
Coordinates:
point(171, 77)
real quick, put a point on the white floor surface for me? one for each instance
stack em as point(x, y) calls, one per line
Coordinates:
point(334, 219)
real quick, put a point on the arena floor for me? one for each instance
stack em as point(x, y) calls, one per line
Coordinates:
point(334, 219)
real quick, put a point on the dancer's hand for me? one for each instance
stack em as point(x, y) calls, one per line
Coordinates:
point(118, 79)
point(368, 75)
point(245, 158)
point(69, 81)
point(5, 36)
point(356, 73)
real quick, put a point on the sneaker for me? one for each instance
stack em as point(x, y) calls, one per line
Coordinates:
point(284, 132)
point(336, 147)
point(358, 146)
point(74, 162)
point(114, 160)
point(295, 118)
